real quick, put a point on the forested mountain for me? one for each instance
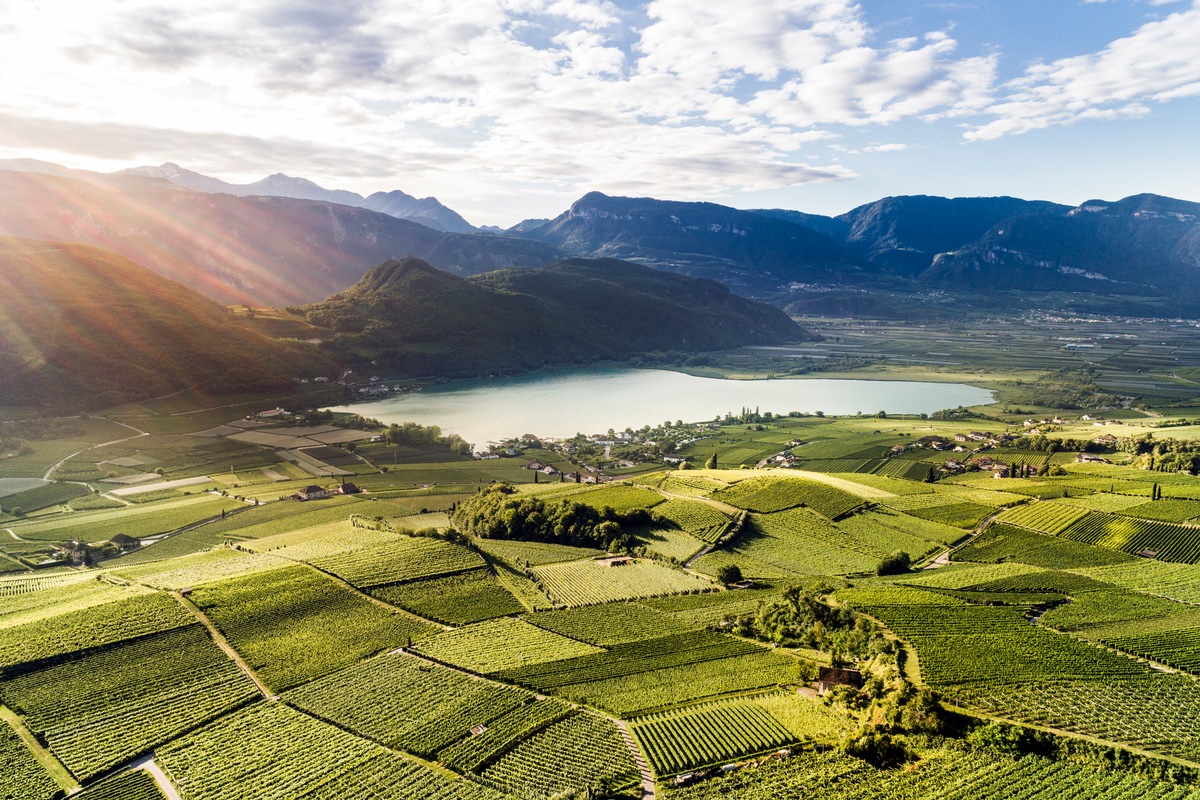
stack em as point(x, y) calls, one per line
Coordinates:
point(81, 327)
point(422, 321)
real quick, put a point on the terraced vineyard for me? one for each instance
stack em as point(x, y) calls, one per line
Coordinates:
point(697, 518)
point(676, 741)
point(588, 582)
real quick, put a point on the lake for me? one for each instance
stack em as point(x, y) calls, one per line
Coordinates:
point(565, 402)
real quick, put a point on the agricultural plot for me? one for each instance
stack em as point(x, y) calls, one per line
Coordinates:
point(100, 710)
point(949, 773)
point(691, 485)
point(887, 532)
point(768, 494)
point(270, 750)
point(803, 543)
point(580, 583)
point(501, 644)
point(668, 544)
point(405, 702)
point(955, 577)
point(399, 560)
point(128, 785)
point(1160, 713)
point(321, 541)
point(995, 645)
point(533, 554)
point(94, 627)
point(1117, 611)
point(643, 692)
point(1163, 540)
point(478, 750)
point(457, 599)
point(630, 658)
point(621, 499)
point(1176, 581)
point(1045, 517)
point(576, 754)
point(54, 601)
point(21, 776)
point(711, 733)
point(695, 517)
point(1165, 510)
point(957, 515)
point(137, 521)
point(610, 624)
point(1178, 648)
point(47, 496)
point(193, 570)
point(1001, 542)
point(294, 625)
point(1048, 580)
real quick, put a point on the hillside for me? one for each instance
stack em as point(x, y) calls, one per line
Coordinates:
point(750, 253)
point(262, 251)
point(424, 321)
point(82, 327)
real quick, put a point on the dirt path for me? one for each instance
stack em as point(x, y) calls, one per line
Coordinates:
point(638, 759)
point(165, 785)
point(61, 461)
point(944, 558)
point(13, 534)
point(224, 644)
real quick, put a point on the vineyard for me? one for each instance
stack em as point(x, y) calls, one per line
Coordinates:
point(457, 599)
point(128, 785)
point(1046, 517)
point(438, 706)
point(477, 751)
point(579, 583)
point(1002, 542)
point(713, 733)
point(695, 517)
point(397, 561)
point(1177, 581)
point(1166, 540)
point(22, 776)
point(534, 554)
point(293, 624)
point(100, 709)
point(270, 750)
point(501, 644)
point(768, 494)
point(569, 756)
point(621, 499)
point(802, 543)
point(614, 623)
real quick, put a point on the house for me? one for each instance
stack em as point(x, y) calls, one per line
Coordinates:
point(124, 542)
point(535, 464)
point(549, 470)
point(1105, 440)
point(349, 488)
point(828, 677)
point(1089, 458)
point(312, 493)
point(617, 561)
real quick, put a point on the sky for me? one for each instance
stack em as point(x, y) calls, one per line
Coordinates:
point(510, 109)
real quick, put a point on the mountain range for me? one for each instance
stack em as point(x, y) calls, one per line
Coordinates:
point(286, 241)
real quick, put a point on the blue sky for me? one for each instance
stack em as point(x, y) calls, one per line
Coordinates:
point(507, 109)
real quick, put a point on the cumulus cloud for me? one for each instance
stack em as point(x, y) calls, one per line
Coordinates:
point(681, 98)
point(1158, 63)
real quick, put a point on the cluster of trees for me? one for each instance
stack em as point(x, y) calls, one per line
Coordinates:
point(15, 436)
point(499, 512)
point(803, 619)
point(414, 435)
point(1162, 455)
point(1068, 388)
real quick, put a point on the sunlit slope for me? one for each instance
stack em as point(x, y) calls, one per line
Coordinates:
point(81, 327)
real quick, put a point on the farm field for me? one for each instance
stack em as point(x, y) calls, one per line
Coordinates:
point(349, 659)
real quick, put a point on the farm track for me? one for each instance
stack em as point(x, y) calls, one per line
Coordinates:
point(224, 644)
point(140, 433)
point(638, 760)
point(375, 600)
point(944, 558)
point(160, 776)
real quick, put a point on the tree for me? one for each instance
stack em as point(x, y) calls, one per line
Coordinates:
point(712, 462)
point(897, 563)
point(729, 574)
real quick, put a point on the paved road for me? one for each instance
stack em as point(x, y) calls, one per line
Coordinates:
point(148, 763)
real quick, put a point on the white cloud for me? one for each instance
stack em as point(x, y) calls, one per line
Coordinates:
point(1158, 63)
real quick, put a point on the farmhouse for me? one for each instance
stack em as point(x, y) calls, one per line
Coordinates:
point(124, 541)
point(312, 493)
point(828, 677)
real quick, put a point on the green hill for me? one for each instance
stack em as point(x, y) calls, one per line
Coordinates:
point(423, 321)
point(82, 327)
